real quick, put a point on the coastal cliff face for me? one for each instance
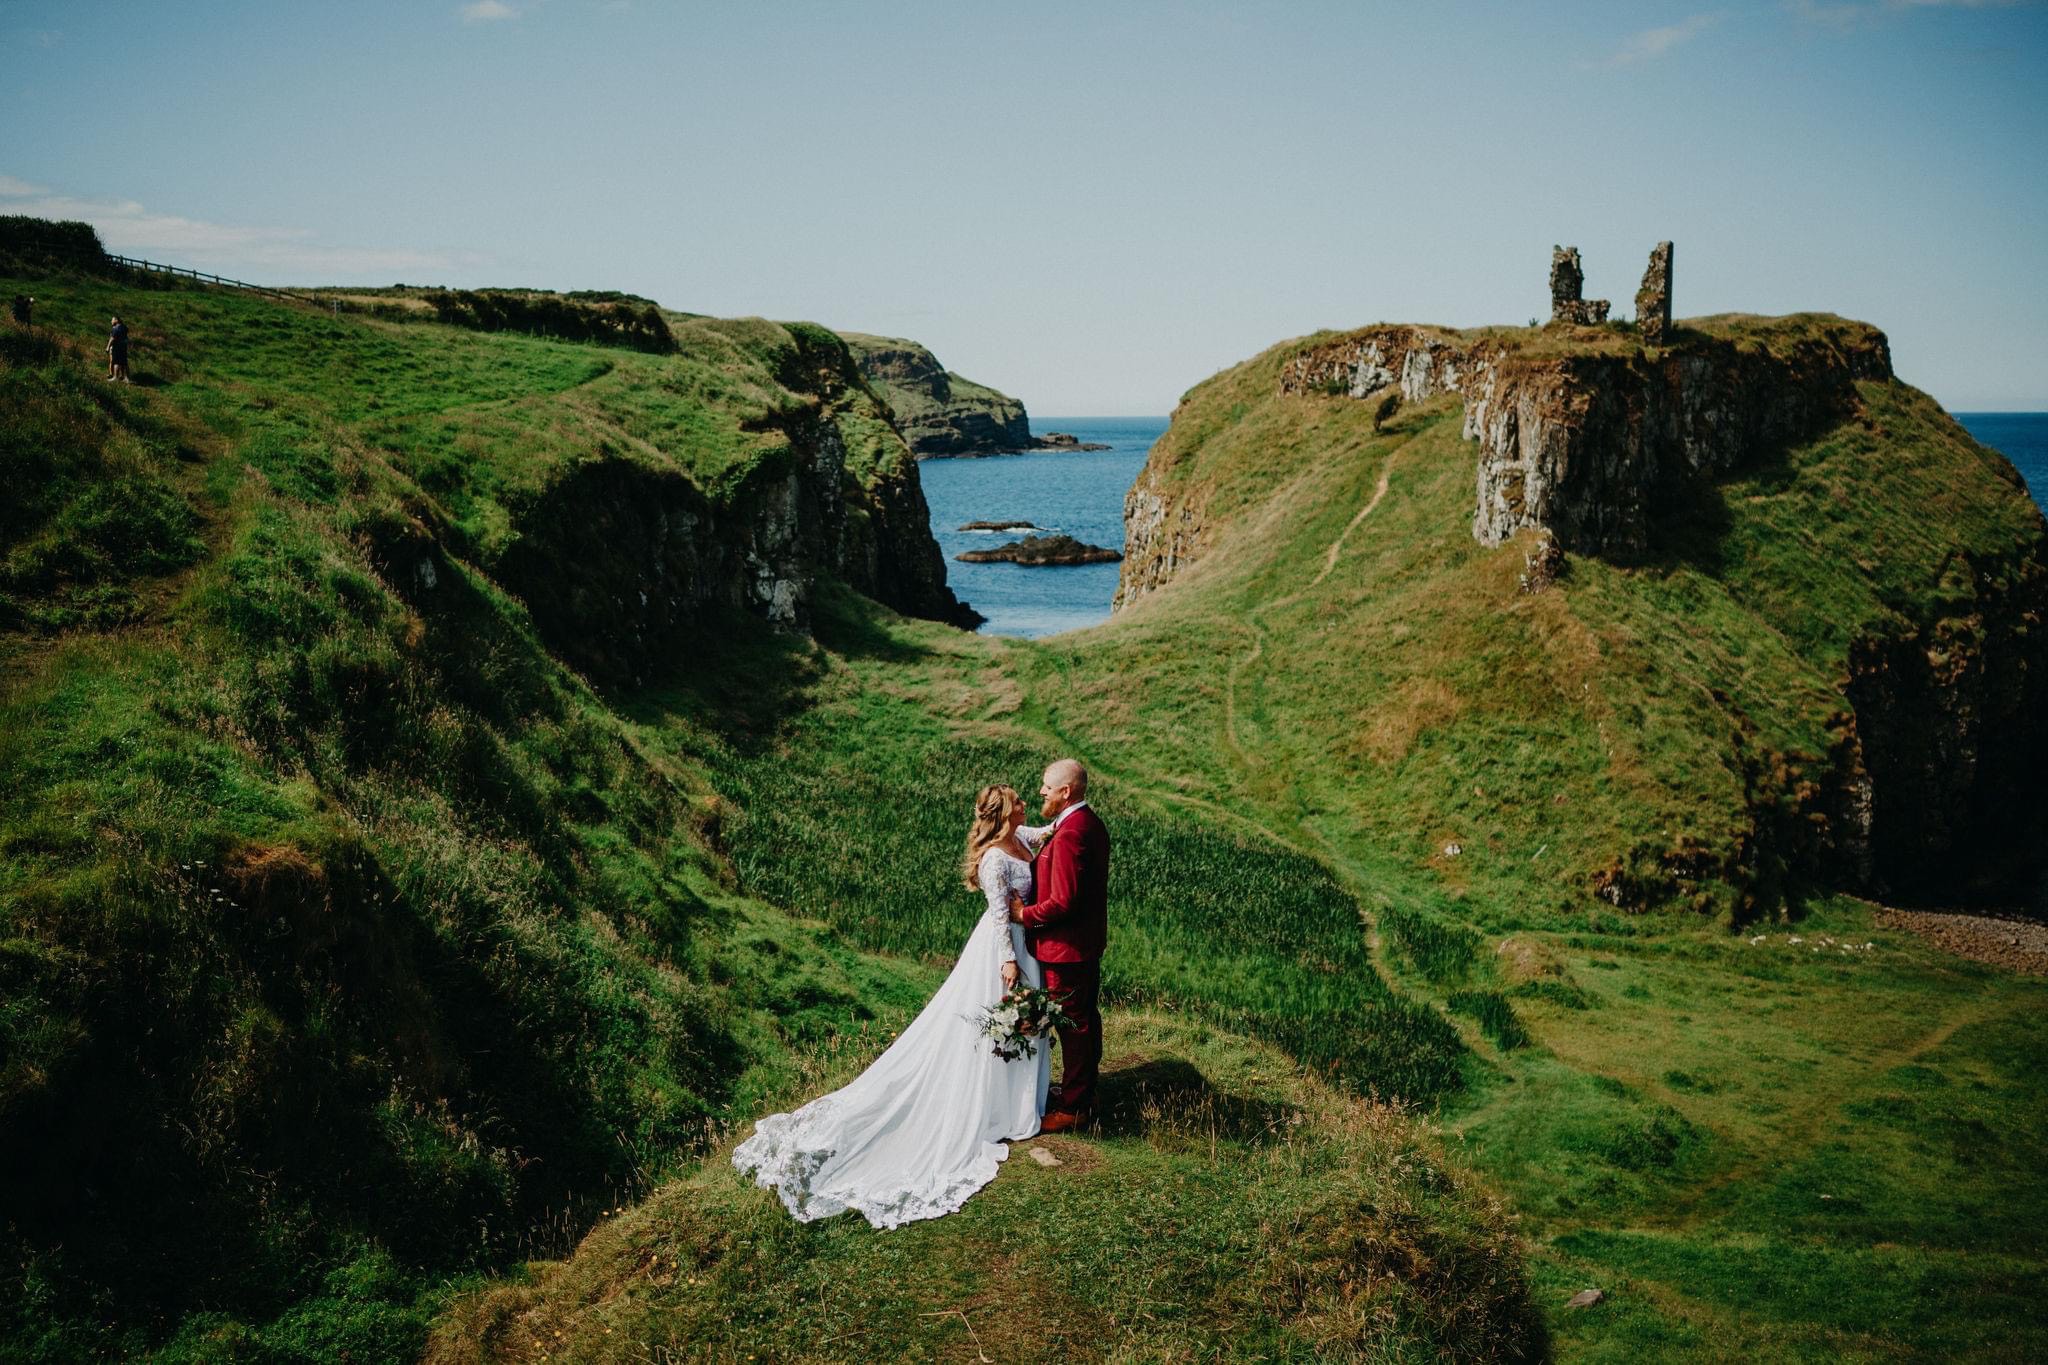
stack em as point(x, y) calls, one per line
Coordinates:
point(1926, 621)
point(1162, 533)
point(1587, 439)
point(619, 561)
point(1950, 723)
point(938, 412)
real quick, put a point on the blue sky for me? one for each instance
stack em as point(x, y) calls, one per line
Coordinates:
point(1091, 206)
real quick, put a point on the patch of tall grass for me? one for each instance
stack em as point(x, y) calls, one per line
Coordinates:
point(1495, 1016)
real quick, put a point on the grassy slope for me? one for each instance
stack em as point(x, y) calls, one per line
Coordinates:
point(1761, 1148)
point(346, 945)
point(353, 946)
point(1774, 1149)
point(1229, 1205)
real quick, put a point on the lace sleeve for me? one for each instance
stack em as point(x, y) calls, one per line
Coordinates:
point(1033, 835)
point(996, 888)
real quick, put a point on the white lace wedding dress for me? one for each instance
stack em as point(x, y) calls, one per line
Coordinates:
point(923, 1127)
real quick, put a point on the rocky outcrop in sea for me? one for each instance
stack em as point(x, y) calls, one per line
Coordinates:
point(1041, 551)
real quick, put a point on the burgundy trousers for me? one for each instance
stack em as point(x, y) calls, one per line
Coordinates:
point(1079, 986)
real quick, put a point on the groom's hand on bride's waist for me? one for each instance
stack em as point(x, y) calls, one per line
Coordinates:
point(1016, 904)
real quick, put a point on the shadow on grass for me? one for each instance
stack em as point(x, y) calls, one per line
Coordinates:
point(847, 623)
point(742, 678)
point(1171, 1094)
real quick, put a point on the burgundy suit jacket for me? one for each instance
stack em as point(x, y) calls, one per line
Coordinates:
point(1069, 922)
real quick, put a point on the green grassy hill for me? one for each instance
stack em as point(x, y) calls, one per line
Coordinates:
point(1765, 1118)
point(369, 925)
point(352, 939)
point(423, 858)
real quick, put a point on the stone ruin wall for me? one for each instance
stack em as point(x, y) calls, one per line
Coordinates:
point(1653, 299)
point(1567, 281)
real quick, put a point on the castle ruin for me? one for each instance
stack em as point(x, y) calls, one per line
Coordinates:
point(1653, 300)
point(1567, 278)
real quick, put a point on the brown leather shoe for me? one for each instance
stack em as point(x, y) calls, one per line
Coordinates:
point(1061, 1121)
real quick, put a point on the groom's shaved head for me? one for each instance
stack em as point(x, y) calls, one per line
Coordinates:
point(1065, 783)
point(1068, 772)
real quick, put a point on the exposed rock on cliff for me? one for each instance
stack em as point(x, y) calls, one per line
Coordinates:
point(1951, 732)
point(1588, 438)
point(1162, 534)
point(939, 413)
point(619, 559)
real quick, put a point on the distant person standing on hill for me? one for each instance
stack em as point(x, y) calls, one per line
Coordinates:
point(22, 306)
point(117, 352)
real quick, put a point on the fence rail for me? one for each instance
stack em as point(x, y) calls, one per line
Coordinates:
point(203, 277)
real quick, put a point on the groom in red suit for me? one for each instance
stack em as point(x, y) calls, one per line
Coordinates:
point(1066, 928)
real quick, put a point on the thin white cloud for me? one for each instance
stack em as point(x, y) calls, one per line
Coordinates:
point(1652, 43)
point(487, 11)
point(129, 229)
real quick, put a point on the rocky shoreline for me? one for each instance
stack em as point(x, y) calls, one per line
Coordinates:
point(1052, 440)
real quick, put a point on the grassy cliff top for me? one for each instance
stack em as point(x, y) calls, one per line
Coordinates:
point(1231, 1206)
point(920, 390)
point(484, 421)
point(1783, 335)
point(1404, 656)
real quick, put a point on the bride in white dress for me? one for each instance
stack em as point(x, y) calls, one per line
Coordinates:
point(924, 1126)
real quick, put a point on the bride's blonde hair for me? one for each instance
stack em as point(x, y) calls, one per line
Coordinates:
point(992, 811)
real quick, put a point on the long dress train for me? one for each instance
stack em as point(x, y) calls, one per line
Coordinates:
point(923, 1127)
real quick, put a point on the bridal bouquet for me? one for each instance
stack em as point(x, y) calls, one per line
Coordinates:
point(1024, 1015)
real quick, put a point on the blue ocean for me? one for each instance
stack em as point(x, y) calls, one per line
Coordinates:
point(1079, 492)
point(1082, 494)
point(2021, 437)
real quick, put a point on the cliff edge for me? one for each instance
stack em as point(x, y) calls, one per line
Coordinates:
point(939, 412)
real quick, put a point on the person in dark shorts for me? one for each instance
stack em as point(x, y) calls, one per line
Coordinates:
point(22, 306)
point(117, 352)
